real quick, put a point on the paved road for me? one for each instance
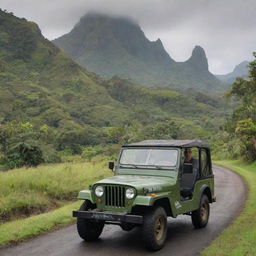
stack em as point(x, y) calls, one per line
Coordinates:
point(182, 239)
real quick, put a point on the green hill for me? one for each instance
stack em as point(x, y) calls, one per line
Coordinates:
point(117, 46)
point(40, 82)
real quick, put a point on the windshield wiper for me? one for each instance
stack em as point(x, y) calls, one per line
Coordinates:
point(155, 166)
point(145, 166)
point(128, 165)
point(158, 166)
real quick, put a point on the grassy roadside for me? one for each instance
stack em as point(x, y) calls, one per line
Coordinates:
point(29, 191)
point(18, 230)
point(239, 239)
point(36, 200)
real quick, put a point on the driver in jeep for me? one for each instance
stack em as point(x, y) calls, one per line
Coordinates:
point(190, 173)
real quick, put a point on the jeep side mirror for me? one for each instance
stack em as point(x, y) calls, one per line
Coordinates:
point(111, 165)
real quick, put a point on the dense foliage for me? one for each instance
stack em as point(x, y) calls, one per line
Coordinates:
point(240, 137)
point(23, 144)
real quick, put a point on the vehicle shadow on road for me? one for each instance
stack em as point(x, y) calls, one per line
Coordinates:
point(114, 240)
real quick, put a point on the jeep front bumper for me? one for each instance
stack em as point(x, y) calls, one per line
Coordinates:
point(108, 216)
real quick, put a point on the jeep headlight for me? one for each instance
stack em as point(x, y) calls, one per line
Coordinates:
point(130, 193)
point(99, 191)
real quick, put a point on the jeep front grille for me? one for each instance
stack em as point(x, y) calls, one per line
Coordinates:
point(115, 196)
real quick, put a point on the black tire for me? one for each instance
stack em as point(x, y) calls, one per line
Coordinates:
point(200, 216)
point(154, 228)
point(87, 229)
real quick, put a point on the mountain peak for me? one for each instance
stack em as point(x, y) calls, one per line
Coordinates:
point(115, 46)
point(159, 42)
point(198, 58)
point(242, 68)
point(198, 51)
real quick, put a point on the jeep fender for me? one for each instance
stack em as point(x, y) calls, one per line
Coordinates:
point(143, 200)
point(205, 190)
point(163, 201)
point(85, 195)
point(148, 200)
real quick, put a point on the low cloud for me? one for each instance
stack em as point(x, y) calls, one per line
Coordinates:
point(224, 28)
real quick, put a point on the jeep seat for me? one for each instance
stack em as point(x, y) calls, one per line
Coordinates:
point(188, 179)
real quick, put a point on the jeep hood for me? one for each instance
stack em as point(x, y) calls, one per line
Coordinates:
point(138, 181)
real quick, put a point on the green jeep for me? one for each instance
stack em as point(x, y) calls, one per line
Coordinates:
point(154, 179)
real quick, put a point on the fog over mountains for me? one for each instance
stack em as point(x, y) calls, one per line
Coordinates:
point(117, 46)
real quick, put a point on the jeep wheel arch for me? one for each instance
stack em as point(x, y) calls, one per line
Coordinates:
point(207, 191)
point(161, 202)
point(165, 203)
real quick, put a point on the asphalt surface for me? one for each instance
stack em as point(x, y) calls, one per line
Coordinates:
point(182, 238)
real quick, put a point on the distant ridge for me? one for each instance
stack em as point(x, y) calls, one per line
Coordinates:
point(117, 46)
point(240, 70)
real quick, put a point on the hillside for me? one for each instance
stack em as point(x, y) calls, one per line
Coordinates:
point(41, 85)
point(40, 82)
point(240, 70)
point(117, 46)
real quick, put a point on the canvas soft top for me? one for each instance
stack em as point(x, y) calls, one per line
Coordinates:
point(169, 143)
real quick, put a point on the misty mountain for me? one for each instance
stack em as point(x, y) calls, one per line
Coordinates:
point(117, 46)
point(240, 70)
point(39, 83)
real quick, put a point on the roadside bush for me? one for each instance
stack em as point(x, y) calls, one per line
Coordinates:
point(23, 144)
point(246, 131)
point(24, 154)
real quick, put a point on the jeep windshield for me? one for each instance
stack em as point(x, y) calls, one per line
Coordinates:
point(148, 158)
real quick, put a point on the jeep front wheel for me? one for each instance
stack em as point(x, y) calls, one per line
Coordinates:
point(89, 230)
point(155, 228)
point(201, 215)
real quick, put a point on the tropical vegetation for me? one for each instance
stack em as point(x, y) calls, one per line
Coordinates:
point(239, 136)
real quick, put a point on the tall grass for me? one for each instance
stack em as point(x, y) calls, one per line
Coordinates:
point(34, 190)
point(240, 237)
point(18, 230)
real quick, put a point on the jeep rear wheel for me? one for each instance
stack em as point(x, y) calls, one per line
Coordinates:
point(201, 215)
point(87, 229)
point(155, 228)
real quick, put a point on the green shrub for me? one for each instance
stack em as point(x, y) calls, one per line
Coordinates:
point(24, 154)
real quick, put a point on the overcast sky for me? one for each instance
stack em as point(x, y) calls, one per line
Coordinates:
point(226, 29)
